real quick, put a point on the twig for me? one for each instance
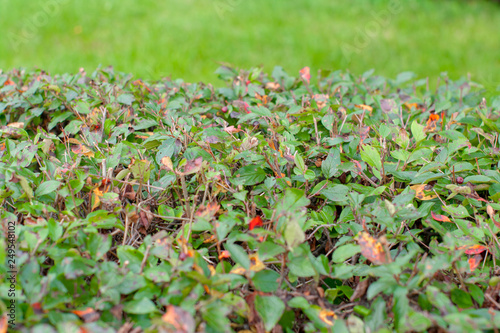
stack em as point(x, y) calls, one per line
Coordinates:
point(143, 263)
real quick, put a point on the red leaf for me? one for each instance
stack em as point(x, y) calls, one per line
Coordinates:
point(305, 74)
point(474, 261)
point(255, 222)
point(440, 218)
point(474, 249)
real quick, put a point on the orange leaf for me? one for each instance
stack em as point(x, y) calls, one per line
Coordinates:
point(474, 261)
point(327, 316)
point(224, 254)
point(208, 211)
point(305, 74)
point(431, 123)
point(440, 218)
point(372, 248)
point(180, 319)
point(473, 249)
point(3, 324)
point(255, 222)
point(88, 315)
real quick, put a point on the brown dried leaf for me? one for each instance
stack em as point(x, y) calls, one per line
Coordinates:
point(360, 290)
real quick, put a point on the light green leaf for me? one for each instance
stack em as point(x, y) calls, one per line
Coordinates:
point(370, 155)
point(344, 252)
point(270, 309)
point(418, 131)
point(47, 187)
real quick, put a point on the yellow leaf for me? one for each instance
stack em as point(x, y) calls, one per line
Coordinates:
point(327, 316)
point(255, 263)
point(372, 248)
point(419, 189)
point(238, 270)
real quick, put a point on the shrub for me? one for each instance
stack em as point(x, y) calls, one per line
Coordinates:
point(272, 204)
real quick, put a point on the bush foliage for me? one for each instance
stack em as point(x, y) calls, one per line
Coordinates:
point(272, 204)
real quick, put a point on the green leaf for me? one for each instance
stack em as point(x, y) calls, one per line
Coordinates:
point(47, 187)
point(336, 192)
point(82, 107)
point(126, 99)
point(418, 131)
point(294, 236)
point(344, 252)
point(299, 162)
point(371, 156)
point(270, 309)
point(478, 179)
point(292, 199)
point(266, 280)
point(248, 175)
point(462, 299)
point(329, 167)
point(238, 255)
point(140, 306)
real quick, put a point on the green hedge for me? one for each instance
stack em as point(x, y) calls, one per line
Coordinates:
point(271, 204)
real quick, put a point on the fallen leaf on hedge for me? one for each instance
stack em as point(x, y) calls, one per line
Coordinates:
point(167, 163)
point(16, 125)
point(224, 254)
point(327, 316)
point(207, 211)
point(474, 261)
point(440, 218)
point(272, 85)
point(305, 74)
point(88, 315)
point(364, 107)
point(3, 324)
point(97, 197)
point(232, 129)
point(419, 189)
point(321, 100)
point(263, 98)
point(372, 248)
point(238, 270)
point(473, 249)
point(241, 105)
point(431, 123)
point(180, 319)
point(193, 166)
point(9, 82)
point(360, 290)
point(255, 263)
point(81, 149)
point(411, 105)
point(255, 222)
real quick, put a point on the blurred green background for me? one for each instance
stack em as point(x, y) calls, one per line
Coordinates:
point(189, 38)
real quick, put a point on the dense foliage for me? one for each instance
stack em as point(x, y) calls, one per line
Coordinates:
point(272, 204)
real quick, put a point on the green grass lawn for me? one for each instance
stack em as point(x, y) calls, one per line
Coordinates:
point(189, 38)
